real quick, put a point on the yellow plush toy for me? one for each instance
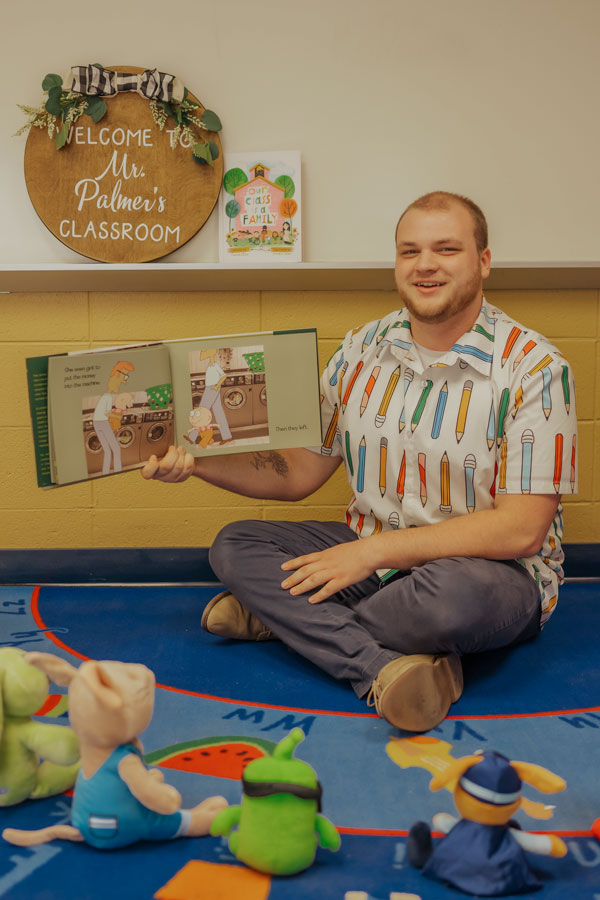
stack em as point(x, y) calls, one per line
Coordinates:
point(36, 759)
point(482, 853)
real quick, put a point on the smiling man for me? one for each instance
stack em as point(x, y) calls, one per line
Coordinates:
point(457, 429)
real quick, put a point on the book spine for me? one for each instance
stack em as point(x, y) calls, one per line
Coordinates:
point(37, 384)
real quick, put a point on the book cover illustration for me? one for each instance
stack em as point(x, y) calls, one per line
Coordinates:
point(229, 396)
point(123, 428)
point(109, 411)
point(260, 208)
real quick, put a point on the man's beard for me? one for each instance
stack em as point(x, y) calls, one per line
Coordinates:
point(456, 303)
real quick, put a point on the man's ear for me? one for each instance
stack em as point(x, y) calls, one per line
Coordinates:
point(98, 680)
point(56, 669)
point(486, 263)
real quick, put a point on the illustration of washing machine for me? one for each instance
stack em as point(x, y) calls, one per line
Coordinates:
point(259, 398)
point(157, 432)
point(128, 436)
point(236, 396)
point(197, 382)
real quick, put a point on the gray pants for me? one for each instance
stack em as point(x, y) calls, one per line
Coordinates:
point(110, 445)
point(211, 399)
point(456, 605)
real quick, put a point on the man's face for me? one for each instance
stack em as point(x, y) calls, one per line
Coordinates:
point(439, 271)
point(116, 380)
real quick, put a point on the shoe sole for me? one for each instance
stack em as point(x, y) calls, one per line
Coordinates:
point(420, 696)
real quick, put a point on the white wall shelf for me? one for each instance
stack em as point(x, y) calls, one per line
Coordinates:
point(309, 276)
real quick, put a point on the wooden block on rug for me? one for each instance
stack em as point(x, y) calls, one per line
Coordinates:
point(199, 880)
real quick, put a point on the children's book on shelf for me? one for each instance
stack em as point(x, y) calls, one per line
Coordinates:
point(99, 412)
point(260, 208)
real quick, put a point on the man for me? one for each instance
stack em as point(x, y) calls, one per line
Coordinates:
point(457, 429)
point(109, 442)
point(215, 377)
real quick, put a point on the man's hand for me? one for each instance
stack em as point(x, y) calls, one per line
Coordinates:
point(334, 568)
point(514, 528)
point(175, 466)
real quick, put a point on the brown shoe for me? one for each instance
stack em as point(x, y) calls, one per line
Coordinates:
point(415, 692)
point(224, 615)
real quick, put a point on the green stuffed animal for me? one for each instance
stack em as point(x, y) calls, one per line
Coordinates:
point(279, 827)
point(23, 690)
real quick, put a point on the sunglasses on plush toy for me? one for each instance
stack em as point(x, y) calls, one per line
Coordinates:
point(267, 788)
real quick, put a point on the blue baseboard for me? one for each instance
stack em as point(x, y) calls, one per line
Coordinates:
point(582, 560)
point(172, 564)
point(106, 565)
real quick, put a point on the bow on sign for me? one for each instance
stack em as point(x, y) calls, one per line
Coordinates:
point(96, 81)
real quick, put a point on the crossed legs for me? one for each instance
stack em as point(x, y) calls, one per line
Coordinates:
point(448, 606)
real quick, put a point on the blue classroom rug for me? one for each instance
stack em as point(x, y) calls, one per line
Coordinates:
point(539, 703)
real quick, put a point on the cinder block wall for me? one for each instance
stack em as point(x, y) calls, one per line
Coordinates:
point(126, 511)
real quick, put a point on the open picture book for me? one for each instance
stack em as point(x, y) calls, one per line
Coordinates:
point(99, 412)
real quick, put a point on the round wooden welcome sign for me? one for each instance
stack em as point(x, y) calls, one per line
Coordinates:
point(117, 191)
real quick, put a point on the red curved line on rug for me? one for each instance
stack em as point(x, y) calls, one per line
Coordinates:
point(35, 612)
point(391, 832)
point(51, 701)
point(329, 712)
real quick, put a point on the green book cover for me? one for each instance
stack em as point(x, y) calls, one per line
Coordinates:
point(37, 385)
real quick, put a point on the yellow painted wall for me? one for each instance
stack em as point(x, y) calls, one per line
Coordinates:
point(126, 511)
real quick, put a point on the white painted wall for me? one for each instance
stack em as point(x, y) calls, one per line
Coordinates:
point(386, 99)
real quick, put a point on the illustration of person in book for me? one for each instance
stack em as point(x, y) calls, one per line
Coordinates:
point(102, 426)
point(120, 403)
point(211, 398)
point(201, 431)
point(286, 233)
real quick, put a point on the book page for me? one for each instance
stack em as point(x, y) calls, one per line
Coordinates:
point(246, 392)
point(109, 410)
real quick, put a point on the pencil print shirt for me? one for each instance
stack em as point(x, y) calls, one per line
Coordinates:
point(423, 442)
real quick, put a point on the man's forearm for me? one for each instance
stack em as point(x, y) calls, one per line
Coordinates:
point(290, 474)
point(263, 474)
point(515, 528)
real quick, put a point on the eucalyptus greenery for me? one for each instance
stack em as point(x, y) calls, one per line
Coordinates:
point(63, 108)
point(185, 118)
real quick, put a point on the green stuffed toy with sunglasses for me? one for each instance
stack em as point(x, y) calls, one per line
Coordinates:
point(36, 759)
point(279, 826)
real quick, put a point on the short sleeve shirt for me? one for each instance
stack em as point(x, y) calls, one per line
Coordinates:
point(213, 373)
point(423, 443)
point(103, 408)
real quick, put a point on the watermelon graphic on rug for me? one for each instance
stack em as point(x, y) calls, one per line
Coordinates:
point(224, 757)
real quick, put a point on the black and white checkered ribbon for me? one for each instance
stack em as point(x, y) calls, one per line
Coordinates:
point(151, 84)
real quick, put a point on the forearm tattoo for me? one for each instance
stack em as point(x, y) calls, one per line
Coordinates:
point(276, 460)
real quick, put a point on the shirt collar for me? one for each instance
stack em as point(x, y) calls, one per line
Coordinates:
point(475, 348)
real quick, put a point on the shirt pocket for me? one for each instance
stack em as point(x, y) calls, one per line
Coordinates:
point(103, 827)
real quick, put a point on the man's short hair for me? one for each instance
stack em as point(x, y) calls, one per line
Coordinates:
point(122, 368)
point(444, 200)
